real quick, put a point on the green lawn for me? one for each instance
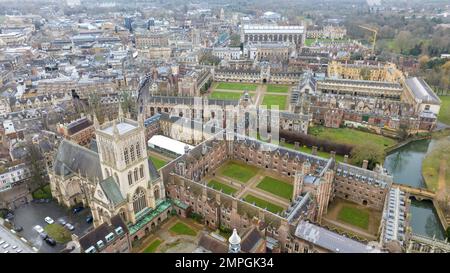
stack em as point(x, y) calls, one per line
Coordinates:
point(279, 100)
point(43, 193)
point(159, 163)
point(225, 95)
point(182, 229)
point(153, 246)
point(237, 86)
point(277, 88)
point(263, 203)
point(444, 113)
point(354, 216)
point(308, 150)
point(351, 136)
point(276, 187)
point(238, 171)
point(58, 232)
point(431, 165)
point(220, 186)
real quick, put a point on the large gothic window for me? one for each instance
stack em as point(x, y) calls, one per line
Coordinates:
point(132, 153)
point(139, 202)
point(138, 150)
point(125, 155)
point(130, 178)
point(136, 174)
point(141, 170)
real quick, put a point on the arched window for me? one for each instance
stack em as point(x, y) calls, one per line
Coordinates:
point(130, 178)
point(125, 155)
point(132, 153)
point(139, 202)
point(136, 174)
point(138, 150)
point(141, 170)
point(107, 172)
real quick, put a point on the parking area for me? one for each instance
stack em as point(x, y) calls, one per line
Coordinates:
point(10, 243)
point(32, 214)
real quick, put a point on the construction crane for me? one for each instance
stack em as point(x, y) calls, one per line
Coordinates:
point(375, 32)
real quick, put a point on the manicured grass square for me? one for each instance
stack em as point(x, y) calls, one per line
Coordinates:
point(225, 95)
point(182, 229)
point(58, 232)
point(276, 187)
point(354, 216)
point(279, 100)
point(263, 203)
point(236, 86)
point(242, 173)
point(153, 246)
point(277, 88)
point(220, 186)
point(159, 163)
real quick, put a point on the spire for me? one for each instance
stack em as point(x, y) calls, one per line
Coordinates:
point(235, 242)
point(95, 120)
point(115, 130)
point(120, 111)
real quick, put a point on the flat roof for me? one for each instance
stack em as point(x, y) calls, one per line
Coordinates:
point(331, 240)
point(123, 128)
point(168, 144)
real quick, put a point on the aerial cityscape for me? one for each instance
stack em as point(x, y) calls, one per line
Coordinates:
point(224, 126)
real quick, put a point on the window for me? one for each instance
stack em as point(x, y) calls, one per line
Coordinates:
point(141, 170)
point(138, 150)
point(125, 155)
point(427, 107)
point(139, 202)
point(136, 177)
point(130, 178)
point(132, 153)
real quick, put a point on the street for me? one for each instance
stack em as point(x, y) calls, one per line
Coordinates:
point(12, 240)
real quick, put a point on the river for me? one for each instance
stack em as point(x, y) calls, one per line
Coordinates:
point(405, 164)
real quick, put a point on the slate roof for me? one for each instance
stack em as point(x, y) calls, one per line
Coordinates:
point(99, 233)
point(250, 240)
point(112, 191)
point(73, 158)
point(422, 90)
point(212, 244)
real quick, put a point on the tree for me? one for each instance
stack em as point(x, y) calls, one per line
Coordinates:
point(34, 158)
point(369, 152)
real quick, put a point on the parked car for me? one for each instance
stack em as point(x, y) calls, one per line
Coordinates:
point(62, 222)
point(19, 250)
point(2, 242)
point(5, 246)
point(14, 247)
point(69, 226)
point(77, 210)
point(49, 220)
point(89, 219)
point(50, 241)
point(38, 228)
point(43, 235)
point(18, 228)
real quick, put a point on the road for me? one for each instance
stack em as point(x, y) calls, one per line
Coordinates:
point(11, 239)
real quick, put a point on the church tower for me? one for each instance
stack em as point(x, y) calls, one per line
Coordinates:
point(123, 159)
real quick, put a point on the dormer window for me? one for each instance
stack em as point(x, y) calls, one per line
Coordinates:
point(100, 244)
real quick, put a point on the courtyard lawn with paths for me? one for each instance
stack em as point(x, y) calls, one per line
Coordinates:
point(276, 187)
point(279, 100)
point(354, 216)
point(182, 229)
point(152, 246)
point(240, 172)
point(263, 203)
point(220, 186)
point(236, 86)
point(58, 232)
point(159, 163)
point(225, 95)
point(277, 88)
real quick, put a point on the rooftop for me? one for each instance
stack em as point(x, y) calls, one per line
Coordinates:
point(122, 127)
